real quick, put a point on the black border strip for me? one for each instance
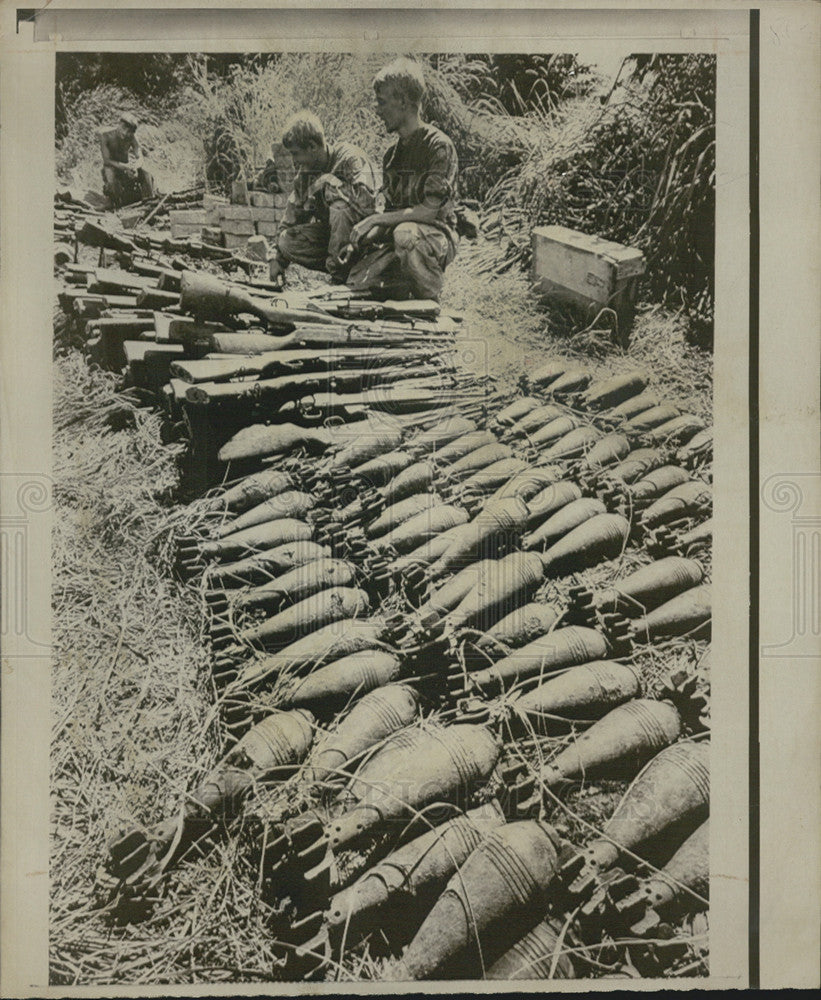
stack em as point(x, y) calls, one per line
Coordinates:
point(754, 902)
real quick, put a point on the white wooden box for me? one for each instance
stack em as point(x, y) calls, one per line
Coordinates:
point(586, 270)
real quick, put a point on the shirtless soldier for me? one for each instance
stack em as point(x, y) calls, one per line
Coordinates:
point(125, 179)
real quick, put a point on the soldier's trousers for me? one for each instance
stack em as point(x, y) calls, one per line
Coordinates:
point(317, 245)
point(412, 267)
point(122, 189)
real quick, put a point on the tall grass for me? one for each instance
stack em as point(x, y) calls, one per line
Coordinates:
point(241, 116)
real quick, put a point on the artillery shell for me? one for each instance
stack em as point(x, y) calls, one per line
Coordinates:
point(309, 615)
point(646, 421)
point(571, 381)
point(497, 520)
point(700, 535)
point(288, 504)
point(613, 391)
point(588, 691)
point(330, 642)
point(638, 463)
point(564, 520)
point(270, 535)
point(500, 585)
point(673, 789)
point(514, 411)
point(572, 445)
point(377, 437)
point(531, 481)
point(413, 769)
point(497, 474)
point(601, 537)
point(252, 490)
point(380, 470)
point(678, 430)
point(618, 745)
point(557, 650)
point(633, 407)
point(408, 881)
point(260, 440)
point(265, 565)
point(650, 586)
point(416, 478)
point(300, 583)
point(479, 458)
point(374, 717)
point(688, 614)
point(519, 627)
point(659, 481)
point(334, 685)
point(498, 895)
point(551, 499)
point(548, 373)
point(440, 434)
point(399, 512)
point(553, 430)
point(664, 895)
point(537, 955)
point(609, 450)
point(426, 553)
point(270, 748)
point(699, 447)
point(463, 445)
point(686, 500)
point(416, 530)
point(448, 595)
point(535, 419)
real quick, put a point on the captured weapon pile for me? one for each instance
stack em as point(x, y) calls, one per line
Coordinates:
point(434, 613)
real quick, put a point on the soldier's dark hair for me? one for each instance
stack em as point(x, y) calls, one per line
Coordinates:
point(302, 130)
point(404, 76)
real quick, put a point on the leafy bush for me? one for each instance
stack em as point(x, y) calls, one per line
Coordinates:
point(639, 169)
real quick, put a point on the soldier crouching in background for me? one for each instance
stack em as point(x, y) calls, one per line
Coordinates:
point(125, 179)
point(407, 247)
point(334, 188)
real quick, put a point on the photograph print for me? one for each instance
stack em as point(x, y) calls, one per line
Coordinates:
point(382, 439)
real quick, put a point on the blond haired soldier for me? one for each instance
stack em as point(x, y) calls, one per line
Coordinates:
point(415, 238)
point(334, 188)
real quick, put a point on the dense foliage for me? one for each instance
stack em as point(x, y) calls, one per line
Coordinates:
point(639, 169)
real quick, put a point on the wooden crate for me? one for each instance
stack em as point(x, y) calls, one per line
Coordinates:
point(190, 216)
point(266, 214)
point(212, 204)
point(262, 199)
point(234, 242)
point(586, 271)
point(235, 213)
point(239, 193)
point(243, 229)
